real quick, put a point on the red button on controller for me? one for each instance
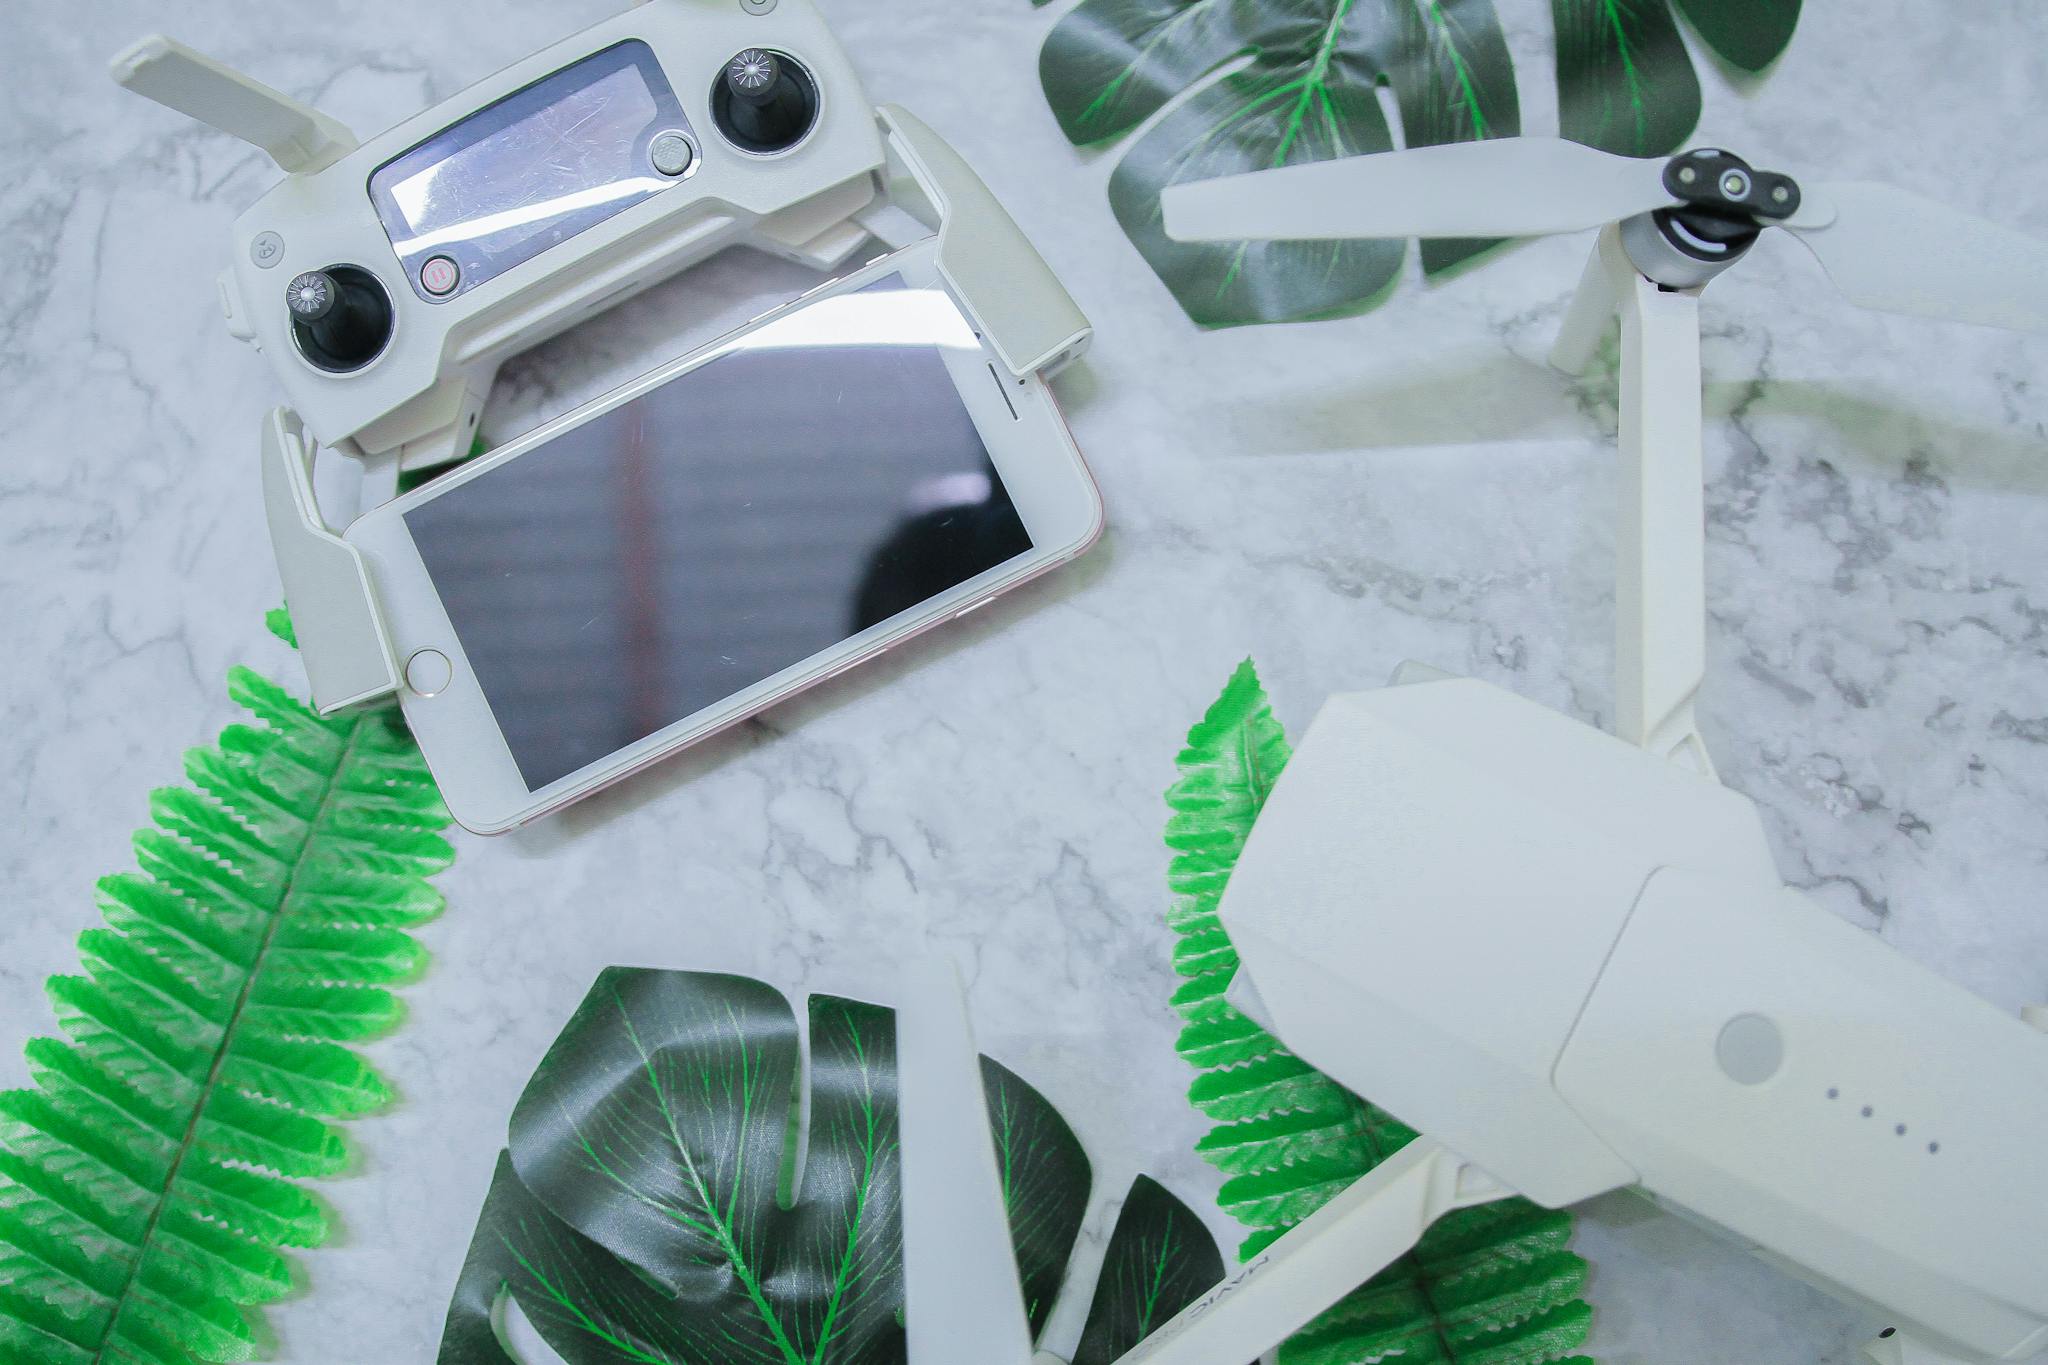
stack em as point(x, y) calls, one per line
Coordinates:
point(439, 276)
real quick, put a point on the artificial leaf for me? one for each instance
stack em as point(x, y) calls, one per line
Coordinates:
point(1624, 80)
point(1160, 1259)
point(651, 1206)
point(1750, 34)
point(1495, 1284)
point(1046, 1179)
point(652, 1215)
point(148, 1181)
point(1307, 93)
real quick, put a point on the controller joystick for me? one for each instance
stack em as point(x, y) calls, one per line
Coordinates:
point(764, 101)
point(754, 76)
point(341, 317)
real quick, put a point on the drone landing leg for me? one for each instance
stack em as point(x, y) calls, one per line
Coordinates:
point(1591, 313)
point(1660, 546)
point(1342, 1245)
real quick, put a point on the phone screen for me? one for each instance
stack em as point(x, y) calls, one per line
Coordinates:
point(819, 476)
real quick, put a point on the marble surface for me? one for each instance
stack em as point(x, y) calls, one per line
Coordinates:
point(1330, 499)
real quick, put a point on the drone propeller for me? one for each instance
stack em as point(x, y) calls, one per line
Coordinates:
point(1505, 187)
point(1884, 248)
point(1890, 249)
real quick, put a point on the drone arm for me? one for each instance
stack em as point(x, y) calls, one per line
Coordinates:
point(1660, 544)
point(1661, 595)
point(1343, 1244)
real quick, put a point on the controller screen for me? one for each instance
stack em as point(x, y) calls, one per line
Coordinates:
point(820, 476)
point(528, 172)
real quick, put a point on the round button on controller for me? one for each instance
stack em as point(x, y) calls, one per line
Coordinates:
point(672, 153)
point(440, 275)
point(428, 672)
point(266, 249)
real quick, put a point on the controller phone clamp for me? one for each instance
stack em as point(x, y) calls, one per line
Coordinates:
point(387, 280)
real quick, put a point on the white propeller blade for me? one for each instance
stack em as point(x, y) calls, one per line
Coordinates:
point(1891, 249)
point(1503, 187)
point(963, 1298)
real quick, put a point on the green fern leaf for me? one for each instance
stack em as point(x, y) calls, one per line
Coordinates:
point(1494, 1285)
point(148, 1178)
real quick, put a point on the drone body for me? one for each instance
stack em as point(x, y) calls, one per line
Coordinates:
point(1589, 977)
point(1564, 956)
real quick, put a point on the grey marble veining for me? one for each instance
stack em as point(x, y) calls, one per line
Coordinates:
point(1330, 498)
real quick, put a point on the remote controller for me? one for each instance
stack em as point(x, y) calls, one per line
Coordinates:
point(386, 281)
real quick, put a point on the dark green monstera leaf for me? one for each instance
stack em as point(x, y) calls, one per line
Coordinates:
point(1305, 90)
point(1046, 1179)
point(1624, 80)
point(1751, 34)
point(1160, 1260)
point(661, 1200)
point(644, 1210)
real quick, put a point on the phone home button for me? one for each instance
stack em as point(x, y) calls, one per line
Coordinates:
point(428, 672)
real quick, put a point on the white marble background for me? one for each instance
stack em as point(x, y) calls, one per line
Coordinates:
point(1330, 498)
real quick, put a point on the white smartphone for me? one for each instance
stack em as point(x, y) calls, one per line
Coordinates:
point(840, 474)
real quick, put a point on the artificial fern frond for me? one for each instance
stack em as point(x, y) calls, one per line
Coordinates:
point(147, 1180)
point(1493, 1285)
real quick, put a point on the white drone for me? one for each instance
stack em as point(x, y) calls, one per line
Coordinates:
point(1588, 972)
point(1596, 978)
